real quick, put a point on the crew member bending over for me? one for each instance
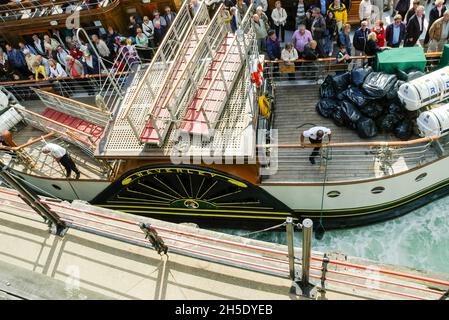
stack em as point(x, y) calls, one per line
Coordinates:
point(61, 155)
point(315, 135)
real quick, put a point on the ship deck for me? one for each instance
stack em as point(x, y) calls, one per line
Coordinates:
point(295, 106)
point(45, 165)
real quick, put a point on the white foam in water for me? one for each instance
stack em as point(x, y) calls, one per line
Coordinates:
point(419, 239)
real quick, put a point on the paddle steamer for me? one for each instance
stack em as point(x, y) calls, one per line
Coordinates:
point(186, 138)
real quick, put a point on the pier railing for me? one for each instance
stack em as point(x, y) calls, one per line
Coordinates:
point(317, 70)
point(328, 272)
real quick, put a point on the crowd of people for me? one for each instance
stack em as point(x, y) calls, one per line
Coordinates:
point(322, 30)
point(51, 57)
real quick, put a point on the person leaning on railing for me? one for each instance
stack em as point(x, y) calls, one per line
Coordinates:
point(289, 55)
point(311, 53)
point(343, 58)
point(56, 70)
point(372, 48)
point(39, 71)
point(74, 68)
point(142, 44)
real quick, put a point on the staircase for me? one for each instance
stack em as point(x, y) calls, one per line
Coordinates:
point(184, 79)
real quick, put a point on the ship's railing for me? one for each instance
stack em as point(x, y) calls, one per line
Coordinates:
point(329, 272)
point(84, 86)
point(339, 162)
point(81, 139)
point(316, 71)
point(20, 10)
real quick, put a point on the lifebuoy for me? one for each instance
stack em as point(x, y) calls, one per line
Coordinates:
point(257, 72)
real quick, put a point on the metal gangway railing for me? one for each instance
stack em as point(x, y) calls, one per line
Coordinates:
point(98, 116)
point(317, 270)
point(20, 10)
point(83, 140)
point(140, 96)
point(206, 105)
point(185, 75)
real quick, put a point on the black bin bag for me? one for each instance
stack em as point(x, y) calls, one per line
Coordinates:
point(403, 130)
point(358, 75)
point(327, 88)
point(377, 84)
point(389, 122)
point(339, 117)
point(372, 110)
point(357, 96)
point(366, 128)
point(351, 114)
point(325, 107)
point(341, 81)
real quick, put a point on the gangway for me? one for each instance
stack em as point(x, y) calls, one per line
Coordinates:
point(185, 76)
point(206, 106)
point(146, 85)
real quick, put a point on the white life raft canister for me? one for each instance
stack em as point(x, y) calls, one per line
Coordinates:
point(434, 122)
point(4, 101)
point(420, 92)
point(9, 119)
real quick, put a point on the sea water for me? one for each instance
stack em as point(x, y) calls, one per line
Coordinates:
point(419, 240)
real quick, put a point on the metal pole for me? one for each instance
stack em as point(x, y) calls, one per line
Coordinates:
point(307, 226)
point(291, 248)
point(31, 198)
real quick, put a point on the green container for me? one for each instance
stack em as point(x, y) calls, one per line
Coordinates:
point(390, 60)
point(444, 60)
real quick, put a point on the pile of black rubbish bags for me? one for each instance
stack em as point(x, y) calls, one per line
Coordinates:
point(367, 101)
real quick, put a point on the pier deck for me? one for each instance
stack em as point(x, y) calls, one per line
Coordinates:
point(121, 270)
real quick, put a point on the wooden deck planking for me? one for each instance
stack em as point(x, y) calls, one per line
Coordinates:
point(295, 106)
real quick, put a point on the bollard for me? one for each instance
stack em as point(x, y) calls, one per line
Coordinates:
point(291, 248)
point(307, 226)
point(301, 287)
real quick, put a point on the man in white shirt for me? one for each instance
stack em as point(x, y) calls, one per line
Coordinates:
point(60, 154)
point(316, 135)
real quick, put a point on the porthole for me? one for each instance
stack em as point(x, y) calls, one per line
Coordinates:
point(377, 190)
point(56, 187)
point(420, 177)
point(333, 194)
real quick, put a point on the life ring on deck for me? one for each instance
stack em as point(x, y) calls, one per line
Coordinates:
point(264, 107)
point(256, 73)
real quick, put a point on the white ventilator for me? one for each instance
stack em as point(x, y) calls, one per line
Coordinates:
point(434, 122)
point(9, 119)
point(420, 92)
